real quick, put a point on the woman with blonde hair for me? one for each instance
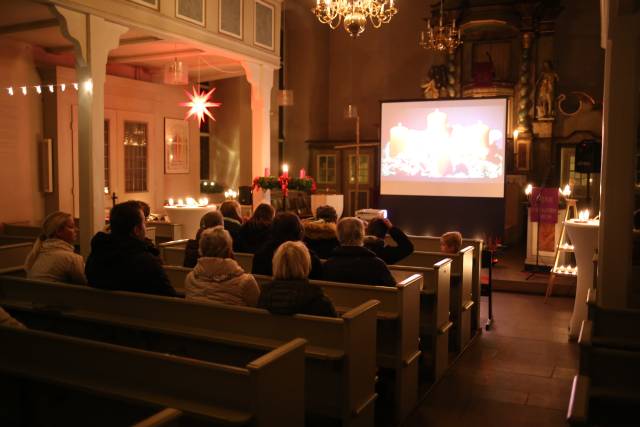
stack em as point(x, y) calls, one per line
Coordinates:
point(290, 291)
point(52, 257)
point(217, 277)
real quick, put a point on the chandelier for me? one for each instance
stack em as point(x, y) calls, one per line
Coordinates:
point(354, 13)
point(444, 37)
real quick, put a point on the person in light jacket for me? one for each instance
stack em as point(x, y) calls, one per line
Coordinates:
point(52, 257)
point(7, 320)
point(217, 277)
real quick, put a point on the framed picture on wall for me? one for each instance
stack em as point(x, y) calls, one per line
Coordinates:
point(190, 10)
point(263, 25)
point(153, 4)
point(230, 18)
point(176, 146)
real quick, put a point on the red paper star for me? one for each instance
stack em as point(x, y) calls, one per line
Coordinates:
point(199, 104)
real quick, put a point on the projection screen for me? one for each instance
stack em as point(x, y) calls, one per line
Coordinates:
point(444, 148)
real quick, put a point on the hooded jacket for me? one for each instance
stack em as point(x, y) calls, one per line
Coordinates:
point(221, 280)
point(390, 254)
point(321, 237)
point(252, 236)
point(295, 296)
point(57, 262)
point(126, 263)
point(357, 264)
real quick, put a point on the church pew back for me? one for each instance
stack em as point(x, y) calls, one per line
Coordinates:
point(14, 255)
point(172, 253)
point(432, 244)
point(340, 351)
point(434, 311)
point(267, 391)
point(398, 323)
point(461, 299)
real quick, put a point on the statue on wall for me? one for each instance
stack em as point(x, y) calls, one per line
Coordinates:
point(436, 84)
point(545, 103)
point(430, 89)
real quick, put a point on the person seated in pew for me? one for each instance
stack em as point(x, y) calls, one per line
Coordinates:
point(7, 320)
point(230, 210)
point(256, 230)
point(290, 291)
point(286, 227)
point(121, 260)
point(451, 242)
point(217, 277)
point(191, 254)
point(352, 262)
point(320, 233)
point(376, 232)
point(52, 257)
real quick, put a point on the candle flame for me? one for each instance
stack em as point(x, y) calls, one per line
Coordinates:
point(528, 190)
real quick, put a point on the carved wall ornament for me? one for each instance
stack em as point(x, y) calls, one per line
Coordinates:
point(581, 101)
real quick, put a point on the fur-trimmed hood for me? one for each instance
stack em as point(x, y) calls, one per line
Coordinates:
point(320, 230)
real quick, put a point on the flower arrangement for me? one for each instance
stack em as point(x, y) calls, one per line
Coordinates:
point(284, 182)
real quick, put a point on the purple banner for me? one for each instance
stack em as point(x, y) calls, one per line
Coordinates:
point(544, 205)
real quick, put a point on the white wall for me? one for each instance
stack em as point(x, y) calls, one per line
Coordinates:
point(127, 99)
point(20, 132)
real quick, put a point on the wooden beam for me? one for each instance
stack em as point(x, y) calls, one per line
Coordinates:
point(28, 26)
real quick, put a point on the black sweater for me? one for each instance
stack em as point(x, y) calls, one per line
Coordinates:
point(356, 264)
point(127, 264)
point(295, 296)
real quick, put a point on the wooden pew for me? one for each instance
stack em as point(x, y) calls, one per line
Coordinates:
point(434, 312)
point(172, 253)
point(167, 231)
point(340, 356)
point(432, 244)
point(14, 255)
point(606, 388)
point(6, 239)
point(461, 298)
point(267, 391)
point(398, 325)
point(22, 229)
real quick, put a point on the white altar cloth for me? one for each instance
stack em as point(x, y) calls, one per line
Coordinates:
point(189, 217)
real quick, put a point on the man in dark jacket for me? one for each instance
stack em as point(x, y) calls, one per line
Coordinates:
point(353, 263)
point(377, 231)
point(121, 260)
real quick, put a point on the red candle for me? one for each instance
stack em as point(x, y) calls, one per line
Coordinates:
point(266, 171)
point(302, 173)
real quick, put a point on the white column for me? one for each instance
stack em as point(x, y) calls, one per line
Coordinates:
point(260, 76)
point(93, 38)
point(620, 132)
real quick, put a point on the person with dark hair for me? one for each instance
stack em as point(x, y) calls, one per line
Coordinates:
point(230, 210)
point(256, 230)
point(376, 232)
point(191, 254)
point(121, 260)
point(290, 291)
point(286, 227)
point(320, 234)
point(353, 263)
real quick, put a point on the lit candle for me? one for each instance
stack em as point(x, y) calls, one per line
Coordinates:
point(170, 202)
point(528, 190)
point(302, 173)
point(398, 143)
point(285, 170)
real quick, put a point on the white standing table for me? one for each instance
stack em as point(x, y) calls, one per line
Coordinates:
point(584, 237)
point(189, 217)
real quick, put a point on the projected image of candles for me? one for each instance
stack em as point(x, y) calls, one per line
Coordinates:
point(443, 150)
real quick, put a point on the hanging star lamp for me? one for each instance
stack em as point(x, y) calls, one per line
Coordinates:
point(199, 104)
